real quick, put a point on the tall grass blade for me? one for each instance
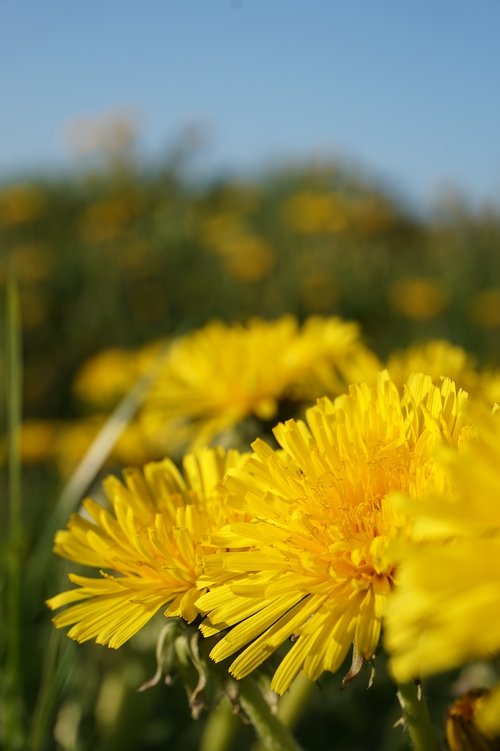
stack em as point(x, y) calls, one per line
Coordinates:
point(12, 700)
point(59, 662)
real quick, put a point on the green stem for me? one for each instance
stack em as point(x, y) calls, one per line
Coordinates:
point(271, 731)
point(291, 706)
point(416, 717)
point(221, 728)
point(12, 687)
point(59, 662)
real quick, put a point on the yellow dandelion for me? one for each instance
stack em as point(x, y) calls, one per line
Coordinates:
point(462, 731)
point(105, 220)
point(488, 386)
point(107, 376)
point(315, 212)
point(418, 298)
point(437, 357)
point(37, 440)
point(217, 376)
point(314, 564)
point(447, 610)
point(20, 204)
point(146, 547)
point(248, 257)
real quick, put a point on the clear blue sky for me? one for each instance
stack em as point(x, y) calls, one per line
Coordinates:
point(409, 88)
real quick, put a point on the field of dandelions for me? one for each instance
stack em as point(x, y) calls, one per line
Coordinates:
point(147, 318)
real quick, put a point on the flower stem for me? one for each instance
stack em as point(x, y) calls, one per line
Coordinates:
point(291, 706)
point(272, 733)
point(12, 689)
point(221, 728)
point(416, 717)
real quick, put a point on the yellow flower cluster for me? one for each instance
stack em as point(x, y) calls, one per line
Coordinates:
point(268, 369)
point(317, 212)
point(368, 516)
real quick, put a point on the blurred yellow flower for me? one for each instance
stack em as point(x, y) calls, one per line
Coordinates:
point(311, 212)
point(249, 258)
point(485, 308)
point(215, 377)
point(319, 212)
point(105, 220)
point(146, 545)
point(447, 609)
point(487, 386)
point(315, 562)
point(104, 378)
point(20, 204)
point(245, 254)
point(37, 441)
point(437, 357)
point(218, 231)
point(440, 358)
point(418, 298)
point(107, 376)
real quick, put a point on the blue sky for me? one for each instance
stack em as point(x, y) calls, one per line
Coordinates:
point(407, 88)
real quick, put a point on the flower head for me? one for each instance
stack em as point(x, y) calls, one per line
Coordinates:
point(315, 561)
point(462, 730)
point(146, 546)
point(437, 357)
point(447, 610)
point(217, 376)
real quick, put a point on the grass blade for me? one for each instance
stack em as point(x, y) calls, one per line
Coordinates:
point(13, 709)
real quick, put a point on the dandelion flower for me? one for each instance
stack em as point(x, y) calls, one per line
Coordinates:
point(146, 547)
point(214, 378)
point(447, 610)
point(107, 376)
point(314, 563)
point(418, 298)
point(437, 357)
point(462, 730)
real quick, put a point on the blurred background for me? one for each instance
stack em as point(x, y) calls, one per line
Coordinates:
point(165, 164)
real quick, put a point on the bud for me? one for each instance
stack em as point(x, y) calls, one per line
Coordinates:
point(462, 731)
point(178, 656)
point(182, 653)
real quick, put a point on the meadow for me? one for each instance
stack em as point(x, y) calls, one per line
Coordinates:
point(128, 298)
